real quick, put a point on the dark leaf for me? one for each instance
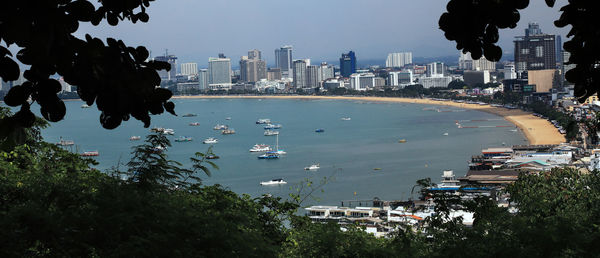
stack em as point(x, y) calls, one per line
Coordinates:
point(9, 69)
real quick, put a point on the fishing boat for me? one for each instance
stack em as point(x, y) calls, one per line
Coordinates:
point(268, 155)
point(260, 148)
point(184, 139)
point(135, 138)
point(90, 153)
point(228, 131)
point(189, 115)
point(402, 140)
point(263, 121)
point(210, 140)
point(271, 132)
point(313, 167)
point(194, 124)
point(220, 127)
point(277, 181)
point(320, 130)
point(346, 118)
point(63, 142)
point(272, 126)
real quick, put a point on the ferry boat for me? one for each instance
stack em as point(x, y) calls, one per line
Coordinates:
point(313, 167)
point(228, 131)
point(184, 139)
point(194, 124)
point(210, 140)
point(320, 130)
point(263, 121)
point(260, 148)
point(346, 118)
point(271, 132)
point(277, 181)
point(269, 155)
point(90, 153)
point(63, 142)
point(135, 138)
point(189, 115)
point(220, 127)
point(272, 126)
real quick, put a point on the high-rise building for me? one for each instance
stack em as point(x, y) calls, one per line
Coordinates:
point(313, 76)
point(254, 54)
point(559, 48)
point(252, 68)
point(398, 59)
point(348, 64)
point(274, 74)
point(327, 71)
point(203, 79)
point(283, 60)
point(219, 71)
point(435, 69)
point(168, 75)
point(535, 50)
point(299, 74)
point(189, 68)
point(400, 78)
point(465, 62)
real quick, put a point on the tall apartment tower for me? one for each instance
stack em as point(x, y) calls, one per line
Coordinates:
point(435, 69)
point(219, 71)
point(348, 64)
point(465, 62)
point(252, 68)
point(189, 68)
point(299, 74)
point(398, 59)
point(168, 75)
point(535, 50)
point(203, 79)
point(327, 71)
point(283, 60)
point(313, 76)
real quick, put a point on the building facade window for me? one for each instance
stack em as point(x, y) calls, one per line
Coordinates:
point(539, 51)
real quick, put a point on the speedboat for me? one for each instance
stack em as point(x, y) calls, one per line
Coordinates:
point(269, 155)
point(271, 132)
point(194, 124)
point(277, 181)
point(221, 127)
point(346, 118)
point(313, 167)
point(135, 138)
point(228, 131)
point(272, 126)
point(210, 140)
point(184, 139)
point(320, 130)
point(260, 148)
point(263, 121)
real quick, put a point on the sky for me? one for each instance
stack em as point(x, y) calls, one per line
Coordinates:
point(321, 30)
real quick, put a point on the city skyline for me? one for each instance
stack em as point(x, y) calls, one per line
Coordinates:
point(193, 36)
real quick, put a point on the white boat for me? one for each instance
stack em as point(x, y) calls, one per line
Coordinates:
point(228, 131)
point(263, 121)
point(277, 181)
point(85, 106)
point(168, 131)
point(221, 127)
point(513, 130)
point(260, 148)
point(63, 142)
point(271, 132)
point(346, 118)
point(228, 118)
point(135, 138)
point(272, 126)
point(445, 134)
point(210, 140)
point(313, 167)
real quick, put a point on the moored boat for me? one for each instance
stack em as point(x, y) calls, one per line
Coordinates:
point(272, 126)
point(260, 148)
point(189, 115)
point(271, 132)
point(135, 138)
point(263, 121)
point(90, 153)
point(210, 140)
point(168, 131)
point(212, 156)
point(320, 130)
point(194, 124)
point(220, 127)
point(269, 155)
point(313, 167)
point(184, 139)
point(228, 131)
point(277, 181)
point(346, 118)
point(63, 142)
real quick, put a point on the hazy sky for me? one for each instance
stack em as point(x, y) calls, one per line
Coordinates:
point(318, 29)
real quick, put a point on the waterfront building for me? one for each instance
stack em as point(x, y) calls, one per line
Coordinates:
point(299, 73)
point(348, 64)
point(283, 60)
point(435, 69)
point(219, 72)
point(535, 50)
point(164, 74)
point(189, 68)
point(327, 71)
point(435, 82)
point(188, 87)
point(203, 79)
point(274, 74)
point(398, 59)
point(400, 78)
point(313, 76)
point(333, 83)
point(252, 68)
point(362, 81)
point(465, 62)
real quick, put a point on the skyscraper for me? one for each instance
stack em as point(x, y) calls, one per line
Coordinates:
point(535, 50)
point(252, 68)
point(172, 60)
point(189, 68)
point(219, 71)
point(327, 71)
point(299, 74)
point(313, 76)
point(283, 60)
point(348, 64)
point(398, 59)
point(203, 79)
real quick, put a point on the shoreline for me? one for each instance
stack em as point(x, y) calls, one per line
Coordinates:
point(538, 131)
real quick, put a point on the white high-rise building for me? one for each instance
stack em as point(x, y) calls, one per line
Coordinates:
point(299, 74)
point(219, 72)
point(203, 79)
point(398, 59)
point(327, 71)
point(283, 60)
point(189, 68)
point(465, 62)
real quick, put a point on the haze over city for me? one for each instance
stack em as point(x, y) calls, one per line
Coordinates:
point(320, 30)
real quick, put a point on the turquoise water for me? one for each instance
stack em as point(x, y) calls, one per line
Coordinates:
point(348, 151)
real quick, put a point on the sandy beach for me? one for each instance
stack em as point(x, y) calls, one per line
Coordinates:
point(538, 131)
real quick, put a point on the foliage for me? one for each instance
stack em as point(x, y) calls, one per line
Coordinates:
point(13, 133)
point(114, 76)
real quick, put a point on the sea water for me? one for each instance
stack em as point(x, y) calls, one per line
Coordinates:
point(361, 158)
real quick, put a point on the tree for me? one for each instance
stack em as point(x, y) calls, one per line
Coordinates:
point(118, 78)
point(479, 34)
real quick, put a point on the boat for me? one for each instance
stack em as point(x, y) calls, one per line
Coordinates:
point(184, 139)
point(260, 148)
point(269, 155)
point(272, 126)
point(85, 106)
point(212, 156)
point(445, 134)
point(228, 131)
point(277, 150)
point(320, 130)
point(402, 140)
point(263, 121)
point(168, 131)
point(189, 115)
point(63, 142)
point(513, 130)
point(313, 167)
point(377, 169)
point(135, 138)
point(194, 124)
point(210, 140)
point(346, 118)
point(277, 181)
point(449, 182)
point(90, 153)
point(220, 127)
point(271, 132)
point(228, 118)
